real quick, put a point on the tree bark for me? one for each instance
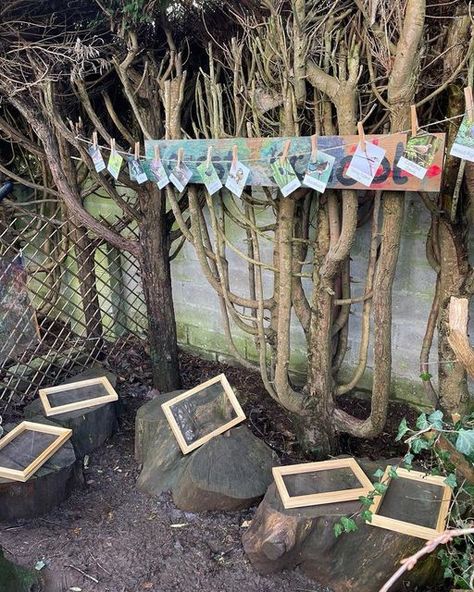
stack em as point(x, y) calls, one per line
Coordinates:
point(156, 281)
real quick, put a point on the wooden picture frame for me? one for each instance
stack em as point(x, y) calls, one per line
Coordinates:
point(167, 409)
point(52, 410)
point(63, 434)
point(412, 529)
point(329, 497)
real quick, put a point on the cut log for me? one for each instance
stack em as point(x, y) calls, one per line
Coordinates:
point(92, 426)
point(46, 489)
point(14, 578)
point(363, 560)
point(231, 471)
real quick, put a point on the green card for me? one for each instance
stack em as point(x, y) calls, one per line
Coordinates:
point(210, 177)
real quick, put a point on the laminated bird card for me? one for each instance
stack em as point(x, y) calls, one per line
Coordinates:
point(97, 159)
point(285, 177)
point(318, 171)
point(419, 154)
point(210, 177)
point(237, 178)
point(181, 176)
point(365, 162)
point(155, 171)
point(136, 171)
point(463, 146)
point(115, 164)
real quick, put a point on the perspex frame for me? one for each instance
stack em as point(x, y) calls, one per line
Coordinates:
point(62, 435)
point(83, 404)
point(328, 497)
point(415, 530)
point(167, 409)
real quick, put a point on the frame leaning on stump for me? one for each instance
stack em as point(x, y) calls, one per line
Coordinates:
point(411, 528)
point(101, 382)
point(62, 435)
point(167, 407)
point(327, 497)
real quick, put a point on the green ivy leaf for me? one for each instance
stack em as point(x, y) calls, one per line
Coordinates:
point(436, 419)
point(380, 488)
point(465, 442)
point(366, 515)
point(448, 573)
point(348, 524)
point(366, 501)
point(422, 422)
point(418, 445)
point(378, 474)
point(408, 459)
point(393, 473)
point(425, 376)
point(338, 529)
point(402, 429)
point(451, 481)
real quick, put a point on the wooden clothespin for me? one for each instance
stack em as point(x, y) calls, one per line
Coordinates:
point(156, 151)
point(112, 146)
point(209, 155)
point(286, 149)
point(180, 157)
point(360, 131)
point(314, 147)
point(414, 121)
point(469, 103)
point(235, 156)
point(94, 139)
point(137, 150)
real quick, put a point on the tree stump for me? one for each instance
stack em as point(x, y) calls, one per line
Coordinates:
point(90, 427)
point(231, 471)
point(14, 578)
point(46, 489)
point(363, 560)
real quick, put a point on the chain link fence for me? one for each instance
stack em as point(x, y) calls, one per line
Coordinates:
point(67, 301)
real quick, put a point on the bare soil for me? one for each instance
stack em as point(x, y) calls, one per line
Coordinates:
point(109, 537)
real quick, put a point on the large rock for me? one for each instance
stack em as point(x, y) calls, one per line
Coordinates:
point(363, 560)
point(92, 426)
point(230, 472)
point(46, 489)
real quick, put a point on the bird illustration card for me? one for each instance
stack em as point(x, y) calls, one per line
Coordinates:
point(365, 162)
point(181, 176)
point(136, 171)
point(419, 154)
point(156, 172)
point(210, 177)
point(94, 153)
point(237, 178)
point(285, 176)
point(463, 146)
point(115, 164)
point(318, 171)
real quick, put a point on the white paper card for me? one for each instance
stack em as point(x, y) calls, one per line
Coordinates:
point(237, 178)
point(463, 146)
point(365, 162)
point(180, 176)
point(97, 159)
point(136, 171)
point(318, 171)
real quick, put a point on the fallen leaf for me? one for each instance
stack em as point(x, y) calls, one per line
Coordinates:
point(147, 585)
point(39, 565)
point(246, 524)
point(179, 525)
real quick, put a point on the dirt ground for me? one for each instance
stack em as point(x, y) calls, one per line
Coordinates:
point(109, 537)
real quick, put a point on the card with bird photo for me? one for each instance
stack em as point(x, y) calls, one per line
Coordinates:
point(94, 153)
point(155, 171)
point(237, 178)
point(318, 171)
point(365, 162)
point(209, 176)
point(285, 176)
point(419, 154)
point(181, 176)
point(463, 146)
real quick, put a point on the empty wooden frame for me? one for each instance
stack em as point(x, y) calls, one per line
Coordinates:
point(77, 395)
point(27, 447)
point(200, 414)
point(415, 503)
point(292, 499)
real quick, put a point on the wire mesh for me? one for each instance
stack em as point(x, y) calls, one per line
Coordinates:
point(84, 301)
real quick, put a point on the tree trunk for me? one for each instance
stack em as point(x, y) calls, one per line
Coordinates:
point(156, 280)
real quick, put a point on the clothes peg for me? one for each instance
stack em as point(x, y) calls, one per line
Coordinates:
point(156, 151)
point(286, 149)
point(469, 103)
point(209, 155)
point(360, 131)
point(137, 150)
point(94, 140)
point(414, 121)
point(234, 155)
point(112, 146)
point(180, 157)
point(314, 146)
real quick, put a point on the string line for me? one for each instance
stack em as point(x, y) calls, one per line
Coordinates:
point(324, 150)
